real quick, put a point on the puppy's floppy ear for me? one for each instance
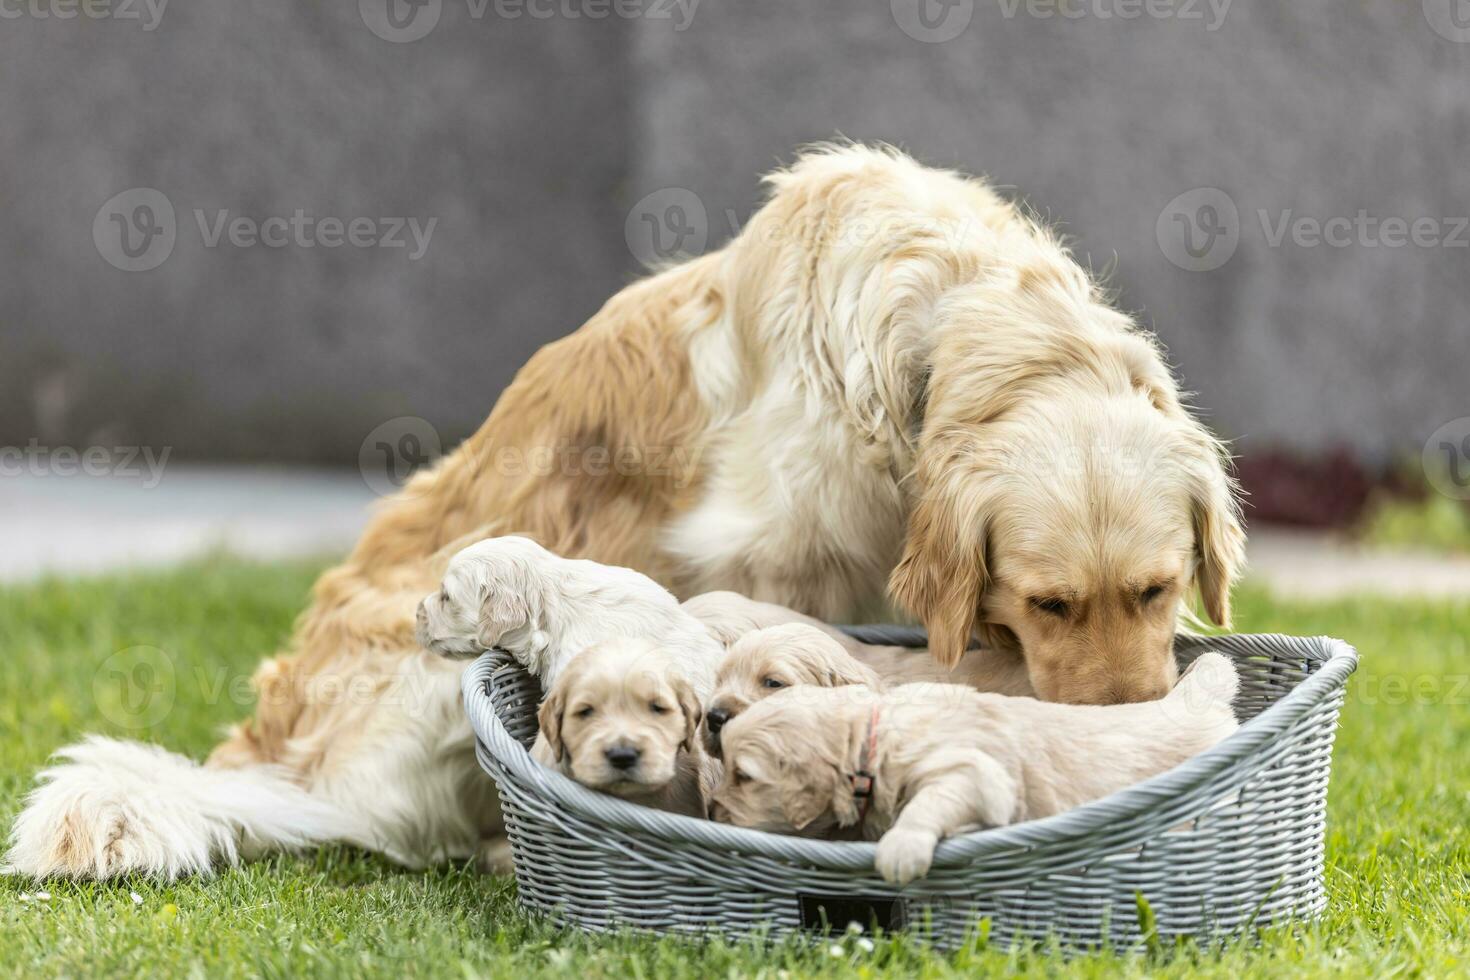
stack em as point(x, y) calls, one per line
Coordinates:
point(501, 611)
point(846, 669)
point(942, 575)
point(810, 791)
point(1219, 541)
point(549, 718)
point(693, 713)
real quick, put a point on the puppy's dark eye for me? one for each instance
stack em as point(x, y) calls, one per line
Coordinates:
point(584, 712)
point(444, 595)
point(1150, 594)
point(1052, 606)
point(772, 683)
point(657, 708)
point(741, 778)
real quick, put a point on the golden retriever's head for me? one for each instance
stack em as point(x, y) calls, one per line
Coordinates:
point(787, 759)
point(493, 595)
point(618, 716)
point(1072, 527)
point(765, 661)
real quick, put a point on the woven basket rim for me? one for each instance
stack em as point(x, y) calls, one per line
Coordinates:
point(1337, 660)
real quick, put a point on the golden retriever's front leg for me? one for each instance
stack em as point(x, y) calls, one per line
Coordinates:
point(978, 792)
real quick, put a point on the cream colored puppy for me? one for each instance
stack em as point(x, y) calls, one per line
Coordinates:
point(771, 647)
point(511, 593)
point(622, 719)
point(926, 761)
point(768, 660)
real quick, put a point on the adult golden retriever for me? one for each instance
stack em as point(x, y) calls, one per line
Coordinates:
point(891, 378)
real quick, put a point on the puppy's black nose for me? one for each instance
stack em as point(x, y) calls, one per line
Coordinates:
point(716, 718)
point(622, 756)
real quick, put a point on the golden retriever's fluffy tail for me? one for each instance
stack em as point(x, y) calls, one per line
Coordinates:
point(116, 807)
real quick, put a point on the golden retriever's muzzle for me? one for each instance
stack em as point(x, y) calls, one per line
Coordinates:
point(720, 713)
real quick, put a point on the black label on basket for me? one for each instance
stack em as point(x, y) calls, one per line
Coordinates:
point(834, 913)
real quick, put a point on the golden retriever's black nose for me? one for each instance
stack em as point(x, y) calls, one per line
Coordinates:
point(715, 718)
point(622, 756)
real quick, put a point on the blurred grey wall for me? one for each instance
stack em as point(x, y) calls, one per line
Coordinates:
point(1181, 142)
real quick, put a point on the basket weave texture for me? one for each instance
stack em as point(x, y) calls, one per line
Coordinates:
point(1231, 839)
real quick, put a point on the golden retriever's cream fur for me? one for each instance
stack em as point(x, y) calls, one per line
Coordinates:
point(890, 377)
point(622, 719)
point(796, 653)
point(946, 759)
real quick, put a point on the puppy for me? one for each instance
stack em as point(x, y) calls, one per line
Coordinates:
point(511, 593)
point(765, 661)
point(926, 761)
point(730, 616)
point(764, 657)
point(622, 719)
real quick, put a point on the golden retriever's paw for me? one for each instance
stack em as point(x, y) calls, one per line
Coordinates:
point(904, 855)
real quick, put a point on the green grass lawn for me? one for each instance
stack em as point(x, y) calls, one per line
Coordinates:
point(1397, 849)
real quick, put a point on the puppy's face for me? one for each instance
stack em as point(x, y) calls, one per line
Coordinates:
point(618, 717)
point(784, 764)
point(765, 661)
point(490, 596)
point(1074, 534)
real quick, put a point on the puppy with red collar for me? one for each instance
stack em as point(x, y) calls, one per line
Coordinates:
point(926, 761)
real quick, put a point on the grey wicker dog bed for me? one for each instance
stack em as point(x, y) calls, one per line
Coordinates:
point(1229, 840)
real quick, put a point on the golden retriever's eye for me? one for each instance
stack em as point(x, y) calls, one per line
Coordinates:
point(741, 778)
point(772, 683)
point(584, 712)
point(1052, 606)
point(657, 708)
point(1150, 594)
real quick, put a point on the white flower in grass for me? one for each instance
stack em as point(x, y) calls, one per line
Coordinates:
point(137, 899)
point(43, 896)
point(836, 950)
point(865, 944)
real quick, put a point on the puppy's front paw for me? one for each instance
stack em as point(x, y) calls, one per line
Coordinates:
point(904, 855)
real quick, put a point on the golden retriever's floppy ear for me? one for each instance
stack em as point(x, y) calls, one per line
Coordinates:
point(549, 718)
point(1219, 540)
point(689, 705)
point(844, 669)
point(808, 792)
point(501, 611)
point(942, 575)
